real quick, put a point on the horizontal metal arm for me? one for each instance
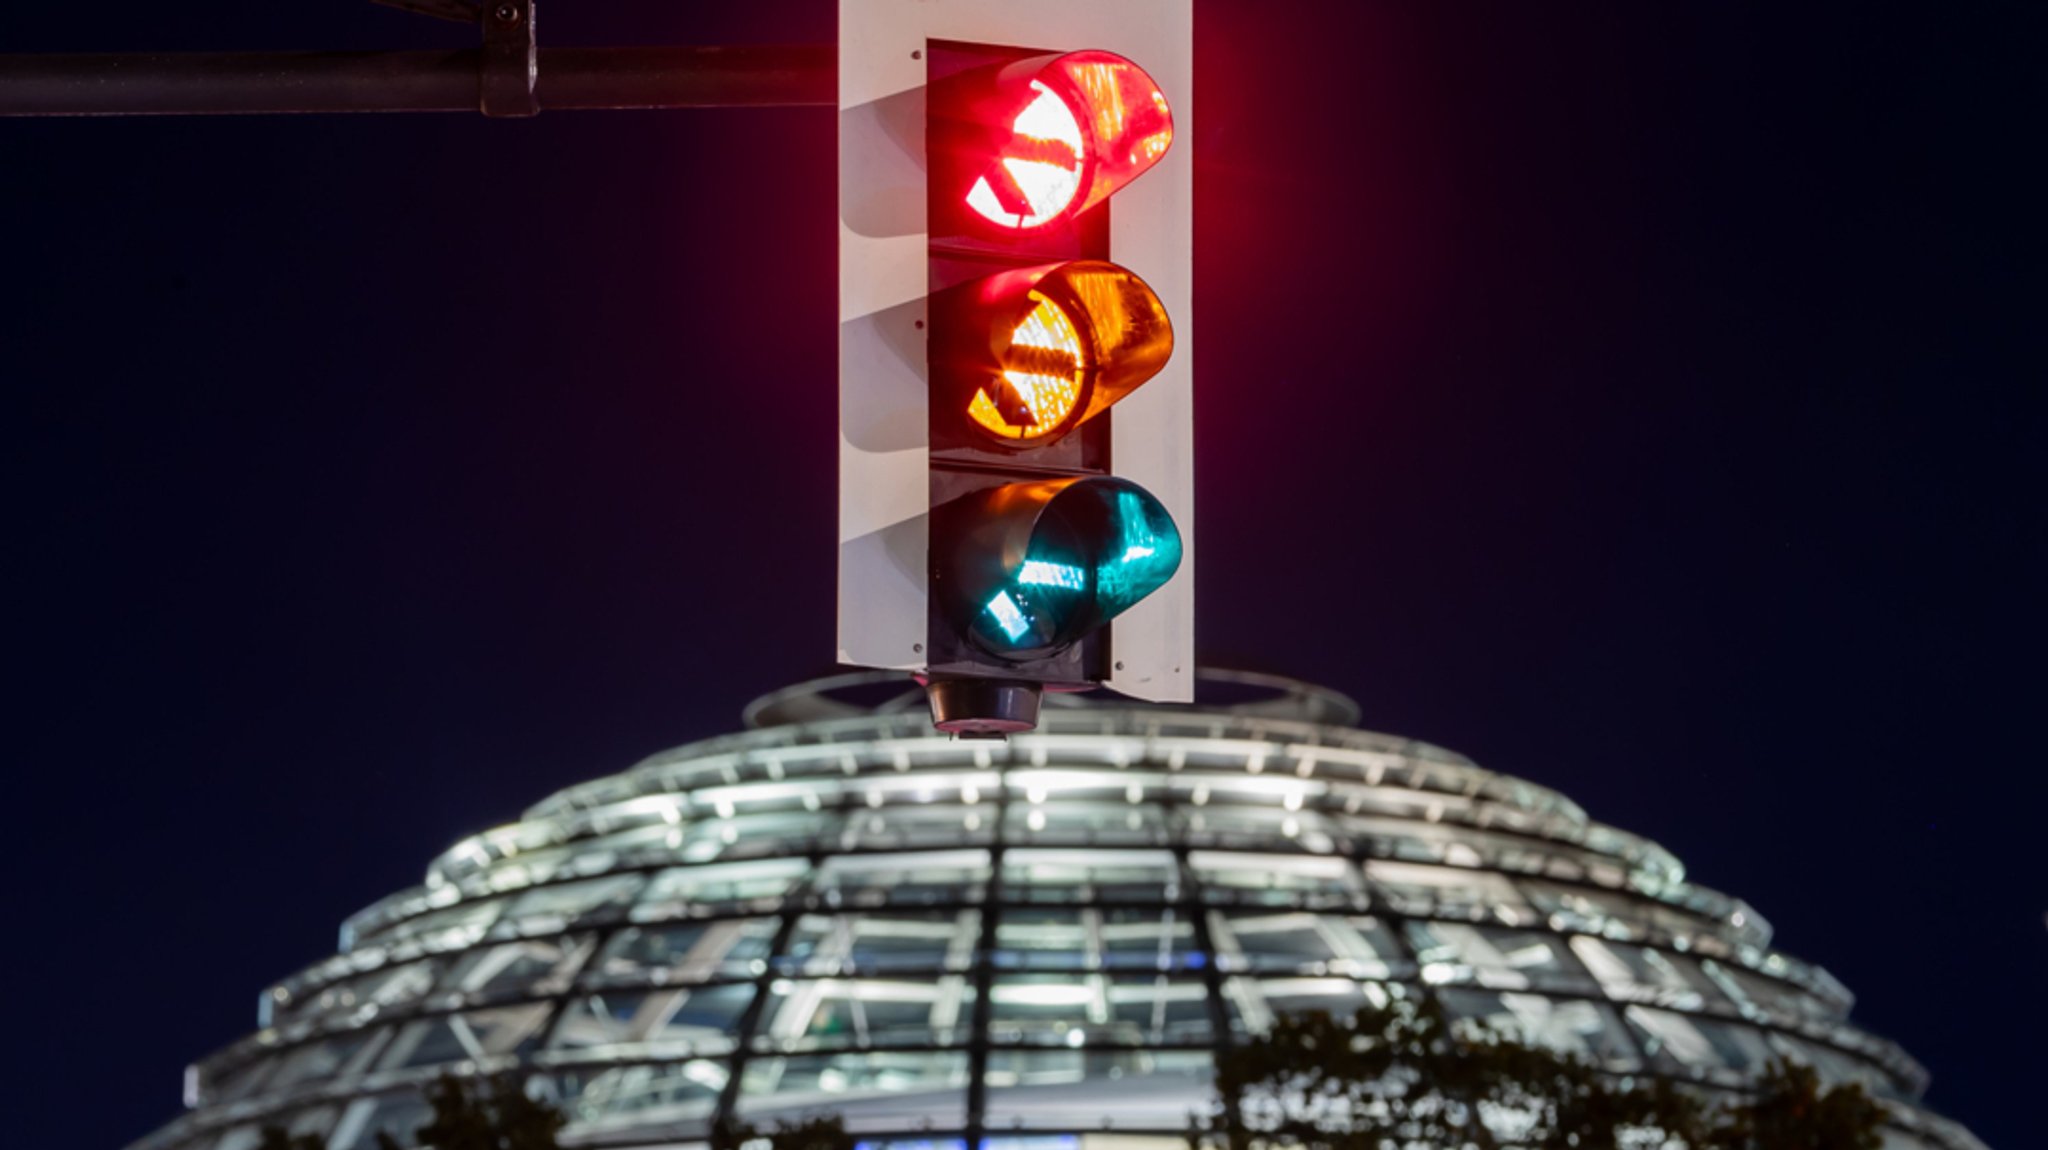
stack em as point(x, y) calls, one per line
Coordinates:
point(253, 83)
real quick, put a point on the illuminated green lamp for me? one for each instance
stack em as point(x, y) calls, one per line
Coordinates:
point(1035, 567)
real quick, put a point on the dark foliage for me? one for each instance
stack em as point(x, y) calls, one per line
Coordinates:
point(495, 1114)
point(1402, 1076)
point(275, 1138)
point(818, 1132)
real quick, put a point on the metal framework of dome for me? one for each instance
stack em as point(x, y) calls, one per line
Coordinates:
point(1033, 943)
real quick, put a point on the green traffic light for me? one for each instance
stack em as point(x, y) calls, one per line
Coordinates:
point(1072, 555)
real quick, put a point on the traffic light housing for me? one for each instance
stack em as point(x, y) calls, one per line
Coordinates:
point(1046, 352)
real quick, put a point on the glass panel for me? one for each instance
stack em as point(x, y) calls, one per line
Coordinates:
point(1408, 847)
point(1497, 957)
point(905, 827)
point(922, 877)
point(236, 1084)
point(1572, 1026)
point(1255, 1002)
point(398, 1115)
point(333, 1059)
point(519, 871)
point(1104, 1089)
point(1583, 909)
point(880, 942)
point(1413, 841)
point(1406, 805)
point(1106, 824)
point(478, 1034)
point(661, 1095)
point(1031, 875)
point(1447, 892)
point(1769, 994)
point(1160, 940)
point(1119, 1141)
point(634, 848)
point(1614, 914)
point(1638, 974)
point(699, 1019)
point(1833, 1066)
point(1033, 786)
point(1052, 938)
point(1274, 880)
point(687, 892)
point(316, 1121)
point(1096, 1010)
point(696, 952)
point(827, 1013)
point(535, 966)
point(240, 1138)
point(1251, 828)
point(1676, 1040)
point(905, 1090)
point(1304, 942)
point(1155, 1011)
point(784, 834)
point(1680, 922)
point(383, 989)
point(557, 908)
point(453, 926)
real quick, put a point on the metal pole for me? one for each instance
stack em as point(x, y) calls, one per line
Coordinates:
point(254, 83)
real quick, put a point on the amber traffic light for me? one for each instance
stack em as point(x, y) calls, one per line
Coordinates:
point(1030, 354)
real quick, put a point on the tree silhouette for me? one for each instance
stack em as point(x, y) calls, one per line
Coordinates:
point(1406, 1075)
point(275, 1138)
point(816, 1132)
point(492, 1114)
point(1393, 1078)
point(1792, 1112)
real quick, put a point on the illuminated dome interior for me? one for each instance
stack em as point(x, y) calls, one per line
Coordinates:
point(1040, 941)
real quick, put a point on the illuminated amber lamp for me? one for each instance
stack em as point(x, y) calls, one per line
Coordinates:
point(1036, 352)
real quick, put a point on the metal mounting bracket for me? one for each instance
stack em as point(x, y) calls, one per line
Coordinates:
point(508, 74)
point(510, 69)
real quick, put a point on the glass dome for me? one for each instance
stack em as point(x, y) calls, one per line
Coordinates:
point(1039, 942)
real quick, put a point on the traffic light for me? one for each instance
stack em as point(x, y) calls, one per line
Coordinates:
point(1045, 354)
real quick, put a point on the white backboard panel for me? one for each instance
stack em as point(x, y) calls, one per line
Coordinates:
point(883, 391)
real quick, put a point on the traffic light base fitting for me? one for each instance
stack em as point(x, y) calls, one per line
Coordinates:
point(983, 708)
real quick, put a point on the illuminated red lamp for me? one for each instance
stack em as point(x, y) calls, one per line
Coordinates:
point(1057, 135)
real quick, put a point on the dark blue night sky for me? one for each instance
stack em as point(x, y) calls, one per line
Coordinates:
point(1642, 399)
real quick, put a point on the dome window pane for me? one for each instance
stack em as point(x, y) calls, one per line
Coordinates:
point(902, 1090)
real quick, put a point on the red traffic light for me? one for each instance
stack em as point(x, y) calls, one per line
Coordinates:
point(1049, 137)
